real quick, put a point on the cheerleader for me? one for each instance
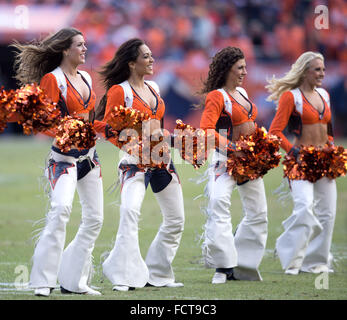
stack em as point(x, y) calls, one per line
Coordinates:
point(124, 267)
point(304, 106)
point(228, 109)
point(54, 63)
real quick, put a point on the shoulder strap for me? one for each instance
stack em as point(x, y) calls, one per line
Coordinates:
point(128, 94)
point(242, 91)
point(60, 77)
point(324, 94)
point(227, 102)
point(61, 80)
point(154, 85)
point(86, 76)
point(297, 99)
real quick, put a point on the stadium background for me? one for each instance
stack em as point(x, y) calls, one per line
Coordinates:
point(183, 36)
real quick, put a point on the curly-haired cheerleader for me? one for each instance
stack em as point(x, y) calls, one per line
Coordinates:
point(228, 108)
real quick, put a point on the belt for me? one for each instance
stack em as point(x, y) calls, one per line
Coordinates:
point(78, 154)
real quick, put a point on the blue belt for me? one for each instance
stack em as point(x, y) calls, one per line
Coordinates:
point(72, 153)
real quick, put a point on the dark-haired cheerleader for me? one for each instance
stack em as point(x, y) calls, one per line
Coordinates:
point(228, 109)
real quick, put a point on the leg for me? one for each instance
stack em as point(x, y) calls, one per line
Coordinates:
point(251, 233)
point(164, 246)
point(48, 251)
point(77, 257)
point(218, 248)
point(125, 266)
point(318, 250)
point(299, 228)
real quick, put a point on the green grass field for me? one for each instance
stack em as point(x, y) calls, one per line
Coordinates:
point(22, 202)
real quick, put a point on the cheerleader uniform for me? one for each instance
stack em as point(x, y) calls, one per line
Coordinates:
point(125, 266)
point(67, 172)
point(305, 243)
point(221, 248)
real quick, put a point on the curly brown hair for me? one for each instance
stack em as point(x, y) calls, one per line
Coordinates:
point(220, 67)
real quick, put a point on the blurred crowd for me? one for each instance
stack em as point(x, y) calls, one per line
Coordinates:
point(265, 29)
point(184, 34)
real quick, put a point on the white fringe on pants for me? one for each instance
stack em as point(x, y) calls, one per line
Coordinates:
point(72, 264)
point(125, 265)
point(306, 240)
point(245, 250)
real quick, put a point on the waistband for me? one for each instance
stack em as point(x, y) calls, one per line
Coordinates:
point(72, 153)
point(128, 159)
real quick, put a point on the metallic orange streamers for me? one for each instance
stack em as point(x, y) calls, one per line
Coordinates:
point(75, 132)
point(192, 143)
point(127, 128)
point(38, 113)
point(314, 163)
point(7, 106)
point(260, 153)
point(32, 107)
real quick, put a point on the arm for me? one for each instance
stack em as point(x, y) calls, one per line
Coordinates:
point(330, 124)
point(49, 86)
point(214, 105)
point(330, 133)
point(280, 121)
point(115, 97)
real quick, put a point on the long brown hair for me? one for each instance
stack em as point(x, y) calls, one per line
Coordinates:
point(117, 70)
point(35, 59)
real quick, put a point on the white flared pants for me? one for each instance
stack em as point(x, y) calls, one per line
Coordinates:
point(72, 265)
point(244, 250)
point(125, 265)
point(306, 240)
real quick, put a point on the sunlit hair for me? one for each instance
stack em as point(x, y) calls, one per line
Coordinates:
point(293, 78)
point(34, 60)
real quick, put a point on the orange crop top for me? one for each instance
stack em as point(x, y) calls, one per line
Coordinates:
point(72, 105)
point(115, 97)
point(216, 116)
point(288, 115)
point(74, 101)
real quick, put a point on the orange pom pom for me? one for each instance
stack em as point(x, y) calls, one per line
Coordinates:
point(38, 113)
point(260, 154)
point(127, 123)
point(7, 106)
point(75, 132)
point(314, 163)
point(193, 143)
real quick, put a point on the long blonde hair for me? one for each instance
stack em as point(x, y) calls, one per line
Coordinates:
point(293, 78)
point(34, 60)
